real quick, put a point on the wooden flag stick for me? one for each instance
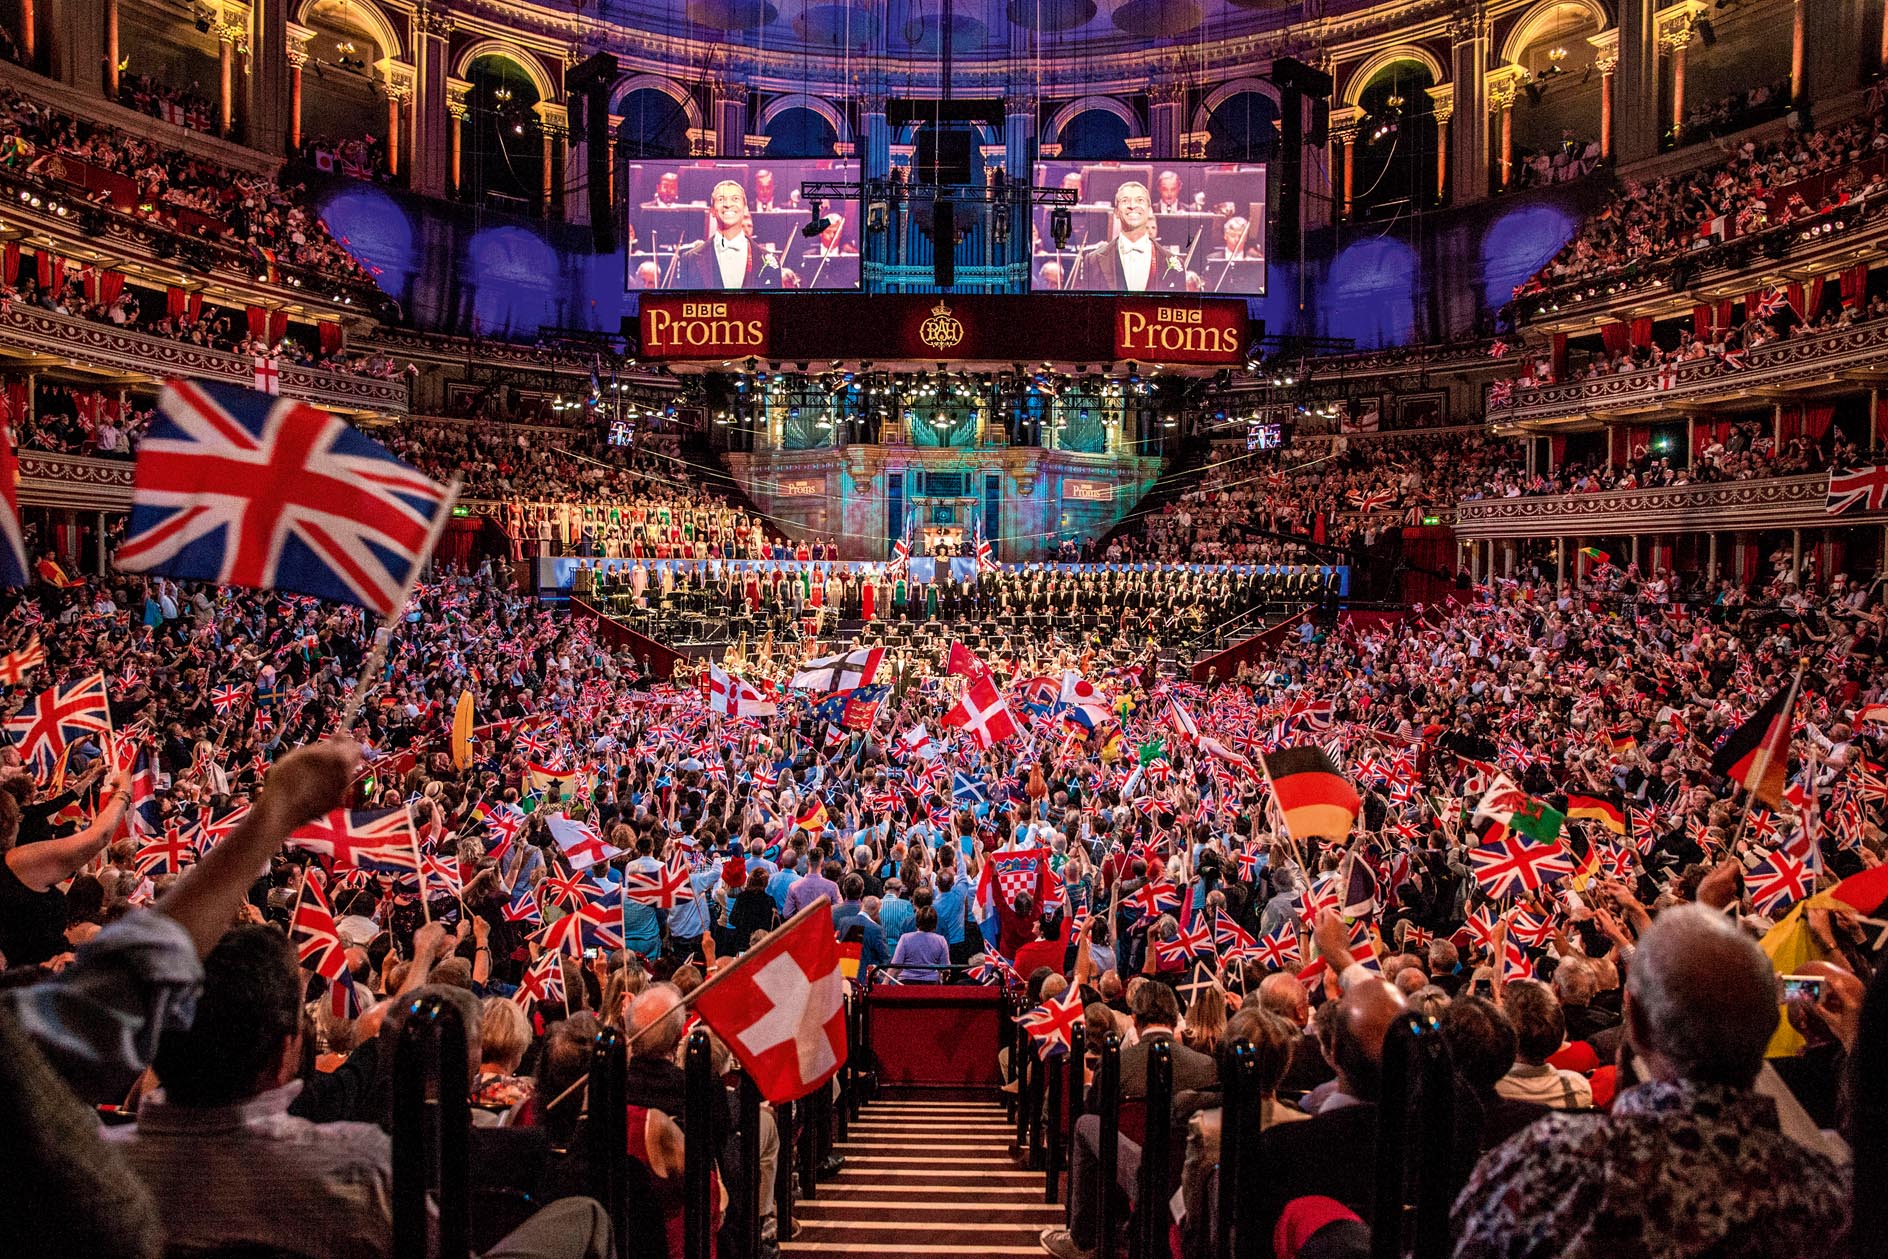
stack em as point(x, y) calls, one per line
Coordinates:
point(377, 654)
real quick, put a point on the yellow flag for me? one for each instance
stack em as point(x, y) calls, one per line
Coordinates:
point(462, 732)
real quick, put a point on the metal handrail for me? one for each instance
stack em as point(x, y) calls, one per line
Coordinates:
point(432, 1125)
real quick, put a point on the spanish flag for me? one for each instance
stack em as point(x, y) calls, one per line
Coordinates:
point(1315, 799)
point(1756, 755)
point(1597, 809)
point(813, 817)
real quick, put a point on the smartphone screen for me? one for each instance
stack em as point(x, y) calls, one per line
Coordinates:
point(1802, 988)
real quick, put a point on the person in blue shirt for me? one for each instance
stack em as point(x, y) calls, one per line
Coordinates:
point(690, 918)
point(952, 903)
point(873, 950)
point(782, 881)
point(896, 915)
point(922, 953)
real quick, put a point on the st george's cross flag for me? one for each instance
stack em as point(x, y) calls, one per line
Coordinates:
point(237, 487)
point(13, 568)
point(56, 718)
point(581, 845)
point(781, 1007)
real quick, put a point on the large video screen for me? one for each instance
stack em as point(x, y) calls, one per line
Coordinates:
point(717, 225)
point(1153, 227)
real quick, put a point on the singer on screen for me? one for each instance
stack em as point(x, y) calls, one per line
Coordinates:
point(730, 258)
point(1133, 262)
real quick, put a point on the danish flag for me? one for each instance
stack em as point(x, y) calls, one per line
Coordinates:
point(983, 713)
point(55, 719)
point(237, 488)
point(381, 841)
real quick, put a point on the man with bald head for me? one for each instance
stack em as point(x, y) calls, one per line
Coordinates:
point(1689, 1163)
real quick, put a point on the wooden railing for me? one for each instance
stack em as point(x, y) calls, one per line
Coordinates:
point(1768, 503)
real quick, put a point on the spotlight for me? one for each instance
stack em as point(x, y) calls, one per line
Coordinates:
point(819, 223)
point(1060, 224)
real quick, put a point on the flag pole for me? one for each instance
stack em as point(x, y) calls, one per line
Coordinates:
point(377, 653)
point(1284, 822)
point(1764, 756)
point(419, 863)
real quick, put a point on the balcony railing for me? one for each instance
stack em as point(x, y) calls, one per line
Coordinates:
point(49, 480)
point(1795, 502)
point(1777, 365)
point(35, 330)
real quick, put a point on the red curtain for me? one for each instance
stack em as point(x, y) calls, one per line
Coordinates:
point(331, 337)
point(1703, 433)
point(175, 302)
point(1616, 337)
point(1794, 292)
point(1701, 320)
point(50, 266)
point(1642, 331)
point(1558, 448)
point(278, 325)
point(1619, 442)
point(258, 322)
point(1559, 362)
point(1854, 285)
point(11, 274)
point(1814, 305)
point(1816, 421)
point(1828, 557)
point(110, 285)
point(1789, 425)
point(15, 401)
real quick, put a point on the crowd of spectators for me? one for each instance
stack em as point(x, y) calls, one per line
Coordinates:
point(1535, 990)
point(185, 106)
point(1661, 220)
point(1734, 111)
point(252, 211)
point(1260, 507)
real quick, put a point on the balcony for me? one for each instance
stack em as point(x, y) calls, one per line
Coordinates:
point(1845, 354)
point(48, 480)
point(48, 339)
point(1771, 503)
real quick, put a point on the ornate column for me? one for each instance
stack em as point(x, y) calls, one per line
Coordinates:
point(111, 50)
point(29, 34)
point(1166, 117)
point(1442, 108)
point(397, 77)
point(458, 92)
point(609, 165)
point(1346, 121)
point(1636, 84)
point(1020, 115)
point(1503, 84)
point(1674, 27)
point(1606, 64)
point(1468, 134)
point(552, 121)
point(298, 37)
point(728, 116)
point(266, 71)
point(431, 145)
point(227, 33)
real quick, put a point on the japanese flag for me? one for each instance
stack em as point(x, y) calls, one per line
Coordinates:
point(781, 1008)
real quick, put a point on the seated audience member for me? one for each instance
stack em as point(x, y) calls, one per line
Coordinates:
point(1481, 1044)
point(1691, 1162)
point(1539, 1032)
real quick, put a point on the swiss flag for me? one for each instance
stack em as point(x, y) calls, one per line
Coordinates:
point(781, 1008)
point(983, 713)
point(965, 663)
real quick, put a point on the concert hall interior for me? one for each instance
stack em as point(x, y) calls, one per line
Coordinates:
point(1114, 629)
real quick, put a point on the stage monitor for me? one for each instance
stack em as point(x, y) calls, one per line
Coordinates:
point(680, 212)
point(1152, 226)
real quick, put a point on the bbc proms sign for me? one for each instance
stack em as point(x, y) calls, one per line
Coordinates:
point(929, 328)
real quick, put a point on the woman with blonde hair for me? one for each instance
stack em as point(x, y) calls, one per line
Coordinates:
point(504, 1035)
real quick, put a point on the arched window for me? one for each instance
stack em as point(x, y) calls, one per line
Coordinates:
point(1242, 128)
point(800, 132)
point(1393, 169)
point(1095, 135)
point(655, 124)
point(503, 162)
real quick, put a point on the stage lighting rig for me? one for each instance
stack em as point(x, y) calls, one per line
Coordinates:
point(819, 224)
point(1061, 223)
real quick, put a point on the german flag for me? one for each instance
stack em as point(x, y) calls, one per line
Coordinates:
point(1599, 809)
point(1756, 755)
point(1315, 799)
point(1622, 739)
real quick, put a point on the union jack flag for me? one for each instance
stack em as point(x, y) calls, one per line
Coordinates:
point(1866, 487)
point(1513, 864)
point(1777, 882)
point(379, 841)
point(236, 487)
point(589, 925)
point(1228, 934)
point(15, 665)
point(225, 698)
point(663, 888)
point(53, 720)
point(1052, 1024)
point(167, 854)
point(1278, 949)
point(543, 981)
point(1769, 303)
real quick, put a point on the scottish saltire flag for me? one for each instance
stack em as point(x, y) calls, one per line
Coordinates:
point(241, 488)
point(12, 540)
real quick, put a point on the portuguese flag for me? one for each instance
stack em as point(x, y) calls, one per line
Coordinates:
point(1597, 809)
point(1756, 755)
point(1596, 555)
point(1315, 798)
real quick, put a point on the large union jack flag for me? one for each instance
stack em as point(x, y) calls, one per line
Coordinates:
point(238, 487)
point(1512, 864)
point(379, 841)
point(56, 718)
point(1865, 487)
